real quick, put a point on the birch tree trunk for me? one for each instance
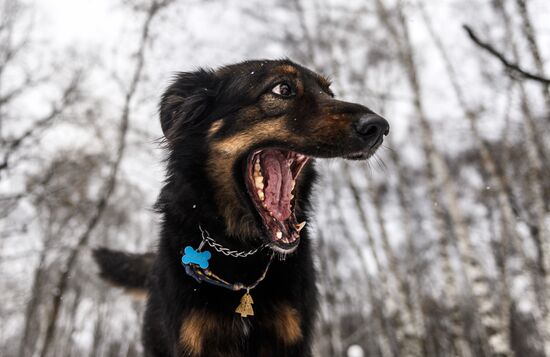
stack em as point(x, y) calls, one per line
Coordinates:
point(31, 329)
point(378, 313)
point(328, 286)
point(378, 322)
point(529, 33)
point(498, 182)
point(409, 339)
point(535, 178)
point(111, 181)
point(330, 291)
point(495, 329)
point(406, 220)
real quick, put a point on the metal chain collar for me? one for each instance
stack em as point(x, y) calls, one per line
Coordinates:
point(226, 251)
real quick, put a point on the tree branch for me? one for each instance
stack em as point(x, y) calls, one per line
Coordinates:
point(67, 99)
point(28, 83)
point(511, 66)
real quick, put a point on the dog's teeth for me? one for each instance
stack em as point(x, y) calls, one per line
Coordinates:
point(257, 166)
point(261, 195)
point(259, 182)
point(300, 226)
point(279, 234)
point(292, 184)
point(285, 240)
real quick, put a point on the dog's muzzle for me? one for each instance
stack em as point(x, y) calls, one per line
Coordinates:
point(372, 128)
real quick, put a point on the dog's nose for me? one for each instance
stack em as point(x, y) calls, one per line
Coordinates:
point(372, 127)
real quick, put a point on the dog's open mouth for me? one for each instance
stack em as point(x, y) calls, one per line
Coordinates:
point(271, 176)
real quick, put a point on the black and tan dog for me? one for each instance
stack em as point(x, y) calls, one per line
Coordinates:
point(240, 140)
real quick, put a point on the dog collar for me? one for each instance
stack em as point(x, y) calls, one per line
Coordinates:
point(196, 264)
point(224, 250)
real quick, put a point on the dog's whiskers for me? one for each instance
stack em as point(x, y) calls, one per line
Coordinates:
point(387, 148)
point(369, 167)
point(380, 162)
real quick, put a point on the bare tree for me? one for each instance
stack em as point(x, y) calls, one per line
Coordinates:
point(529, 32)
point(446, 250)
point(110, 184)
point(407, 332)
point(378, 310)
point(497, 179)
point(438, 172)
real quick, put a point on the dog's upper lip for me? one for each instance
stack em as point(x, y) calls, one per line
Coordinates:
point(366, 152)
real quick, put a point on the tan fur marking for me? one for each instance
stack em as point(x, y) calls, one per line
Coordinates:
point(287, 69)
point(214, 128)
point(201, 329)
point(138, 294)
point(240, 142)
point(287, 324)
point(331, 127)
point(192, 332)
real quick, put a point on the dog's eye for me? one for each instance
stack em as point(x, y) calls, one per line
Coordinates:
point(283, 89)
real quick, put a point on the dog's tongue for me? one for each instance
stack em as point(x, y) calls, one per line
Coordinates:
point(276, 170)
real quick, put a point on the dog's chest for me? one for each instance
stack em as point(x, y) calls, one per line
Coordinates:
point(206, 333)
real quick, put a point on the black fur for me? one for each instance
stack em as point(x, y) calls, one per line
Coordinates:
point(124, 269)
point(189, 109)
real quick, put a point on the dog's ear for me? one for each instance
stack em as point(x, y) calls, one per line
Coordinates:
point(186, 101)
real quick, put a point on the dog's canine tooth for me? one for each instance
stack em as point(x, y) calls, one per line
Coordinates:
point(279, 235)
point(300, 226)
point(261, 194)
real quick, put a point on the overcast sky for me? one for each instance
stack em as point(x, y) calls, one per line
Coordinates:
point(82, 21)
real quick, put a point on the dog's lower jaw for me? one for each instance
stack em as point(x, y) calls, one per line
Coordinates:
point(240, 223)
point(282, 253)
point(241, 226)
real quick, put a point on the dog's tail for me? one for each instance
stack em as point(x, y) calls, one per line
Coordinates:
point(125, 270)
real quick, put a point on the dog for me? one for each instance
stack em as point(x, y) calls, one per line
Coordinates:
point(233, 274)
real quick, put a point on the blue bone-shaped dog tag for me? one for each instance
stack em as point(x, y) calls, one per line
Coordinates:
point(191, 256)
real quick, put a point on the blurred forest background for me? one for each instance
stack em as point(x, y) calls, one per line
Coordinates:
point(439, 246)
